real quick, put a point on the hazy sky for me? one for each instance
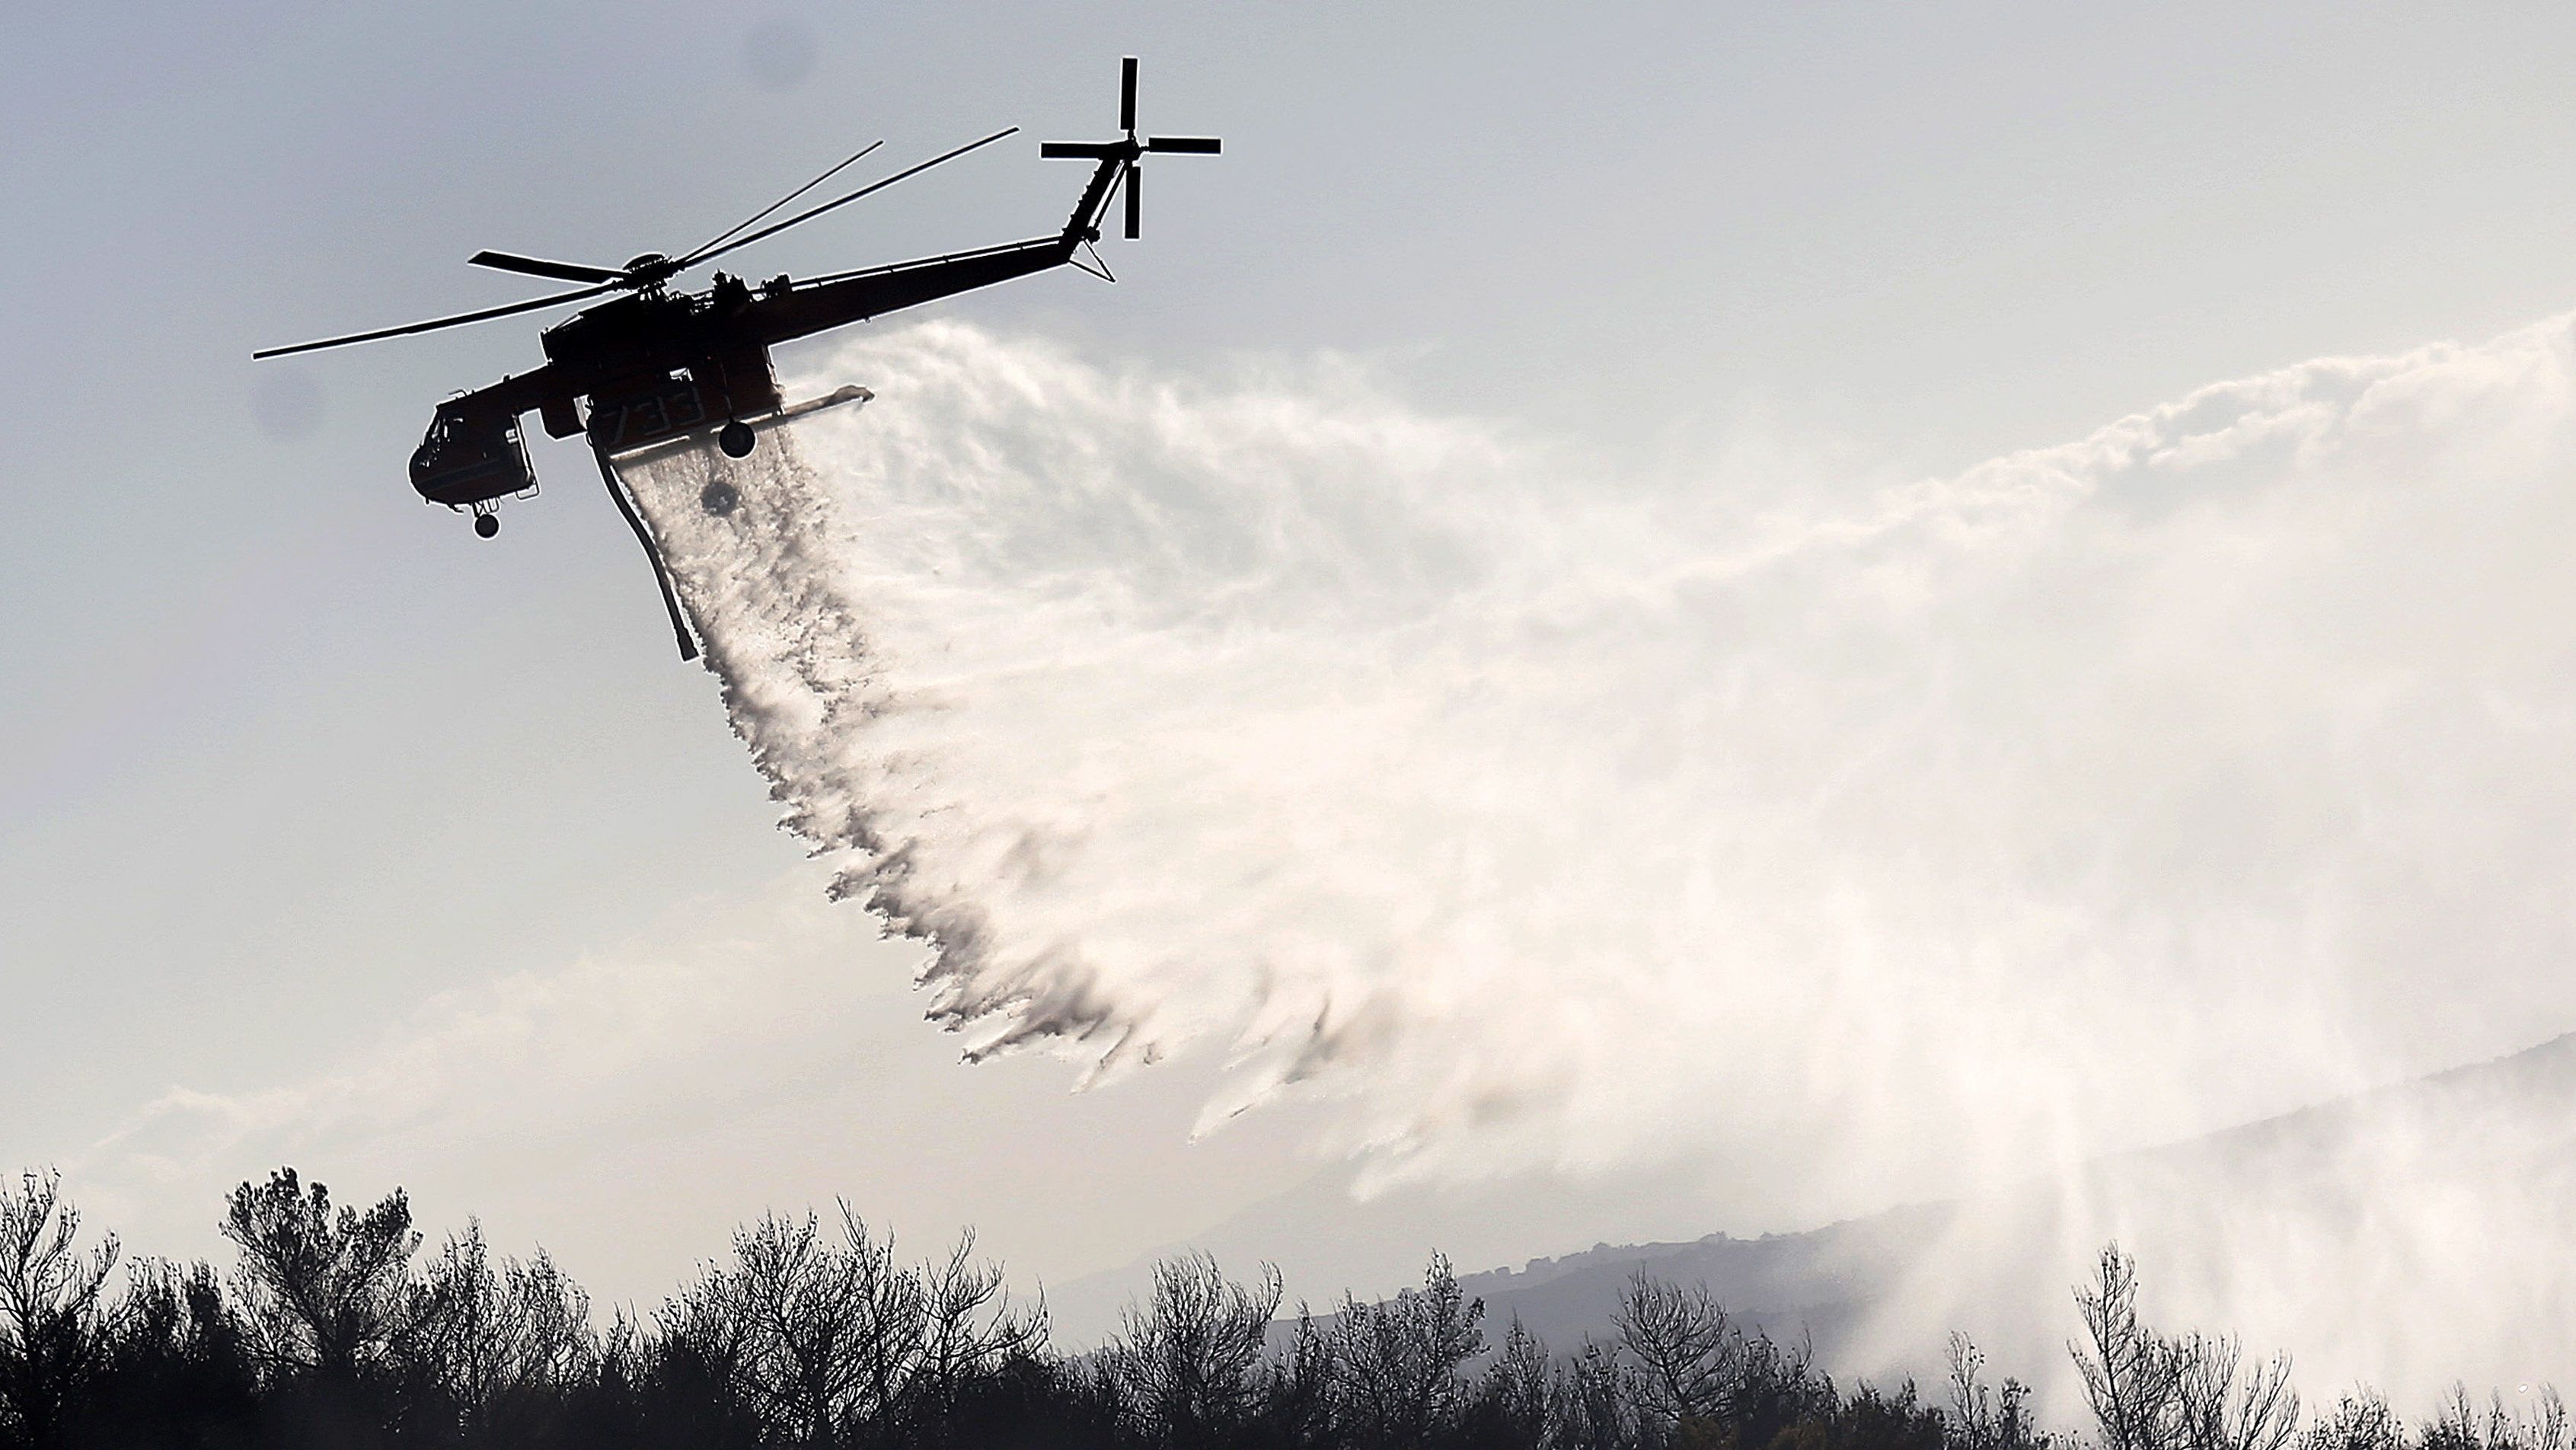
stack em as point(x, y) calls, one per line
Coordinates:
point(330, 834)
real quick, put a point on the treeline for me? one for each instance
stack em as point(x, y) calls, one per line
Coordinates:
point(333, 1329)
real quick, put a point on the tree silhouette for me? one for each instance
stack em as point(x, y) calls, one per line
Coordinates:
point(1689, 1355)
point(495, 1349)
point(180, 1366)
point(2132, 1378)
point(1397, 1361)
point(53, 1334)
point(321, 1293)
point(1987, 1417)
point(331, 1331)
point(2151, 1392)
point(1189, 1367)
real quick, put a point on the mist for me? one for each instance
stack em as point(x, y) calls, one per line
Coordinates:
point(1869, 838)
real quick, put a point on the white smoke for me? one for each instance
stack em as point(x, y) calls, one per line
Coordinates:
point(1868, 839)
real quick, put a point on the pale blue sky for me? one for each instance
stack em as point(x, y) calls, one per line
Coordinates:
point(284, 754)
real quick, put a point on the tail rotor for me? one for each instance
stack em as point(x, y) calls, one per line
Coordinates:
point(1124, 154)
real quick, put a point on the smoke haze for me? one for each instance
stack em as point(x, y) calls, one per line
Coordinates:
point(1868, 838)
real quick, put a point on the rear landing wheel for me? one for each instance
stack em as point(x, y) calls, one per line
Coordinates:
point(486, 525)
point(736, 439)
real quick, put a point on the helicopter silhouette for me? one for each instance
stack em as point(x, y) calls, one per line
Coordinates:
point(653, 369)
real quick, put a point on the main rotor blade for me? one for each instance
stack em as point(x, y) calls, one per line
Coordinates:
point(539, 267)
point(763, 214)
point(1133, 207)
point(775, 228)
point(1127, 94)
point(1195, 145)
point(459, 320)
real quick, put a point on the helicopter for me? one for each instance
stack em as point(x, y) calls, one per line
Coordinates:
point(653, 369)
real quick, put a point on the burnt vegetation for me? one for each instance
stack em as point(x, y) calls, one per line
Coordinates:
point(335, 1326)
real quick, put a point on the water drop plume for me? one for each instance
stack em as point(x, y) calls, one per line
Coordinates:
point(1867, 835)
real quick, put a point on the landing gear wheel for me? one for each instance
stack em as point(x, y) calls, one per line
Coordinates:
point(486, 525)
point(736, 439)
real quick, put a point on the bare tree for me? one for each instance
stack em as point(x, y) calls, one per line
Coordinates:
point(889, 1309)
point(2132, 1378)
point(969, 1329)
point(1396, 1362)
point(1594, 1402)
point(818, 1347)
point(320, 1291)
point(1689, 1355)
point(2461, 1426)
point(2361, 1421)
point(179, 1368)
point(2548, 1427)
point(1989, 1417)
point(1297, 1395)
point(2149, 1392)
point(2217, 1411)
point(696, 1362)
point(1188, 1367)
point(53, 1333)
point(831, 1342)
point(1511, 1405)
point(493, 1340)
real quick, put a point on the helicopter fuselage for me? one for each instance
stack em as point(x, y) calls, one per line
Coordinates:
point(656, 365)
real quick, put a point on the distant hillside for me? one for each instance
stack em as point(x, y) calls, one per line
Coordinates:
point(2401, 1236)
point(1820, 1285)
